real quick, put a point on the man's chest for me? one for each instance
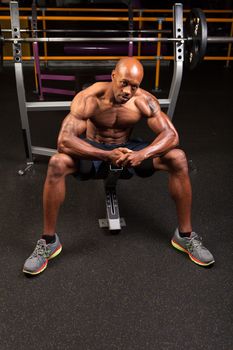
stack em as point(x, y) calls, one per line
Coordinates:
point(122, 116)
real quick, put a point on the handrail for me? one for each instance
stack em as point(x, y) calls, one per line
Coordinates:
point(98, 58)
point(82, 58)
point(102, 18)
point(89, 9)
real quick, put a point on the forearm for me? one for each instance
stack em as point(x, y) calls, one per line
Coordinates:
point(75, 146)
point(165, 141)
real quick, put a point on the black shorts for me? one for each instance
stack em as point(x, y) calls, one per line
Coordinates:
point(134, 145)
point(145, 169)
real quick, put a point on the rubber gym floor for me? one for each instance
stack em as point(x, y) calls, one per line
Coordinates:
point(131, 291)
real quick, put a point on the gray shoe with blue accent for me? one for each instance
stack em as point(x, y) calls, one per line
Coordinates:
point(38, 260)
point(193, 247)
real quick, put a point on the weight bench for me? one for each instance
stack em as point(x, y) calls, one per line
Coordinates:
point(110, 175)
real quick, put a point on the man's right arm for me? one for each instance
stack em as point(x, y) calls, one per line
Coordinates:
point(70, 143)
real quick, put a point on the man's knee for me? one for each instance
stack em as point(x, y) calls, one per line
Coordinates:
point(58, 165)
point(177, 160)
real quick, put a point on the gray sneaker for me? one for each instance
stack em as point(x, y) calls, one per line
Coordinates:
point(193, 247)
point(38, 260)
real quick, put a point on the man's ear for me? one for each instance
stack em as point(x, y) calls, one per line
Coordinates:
point(113, 74)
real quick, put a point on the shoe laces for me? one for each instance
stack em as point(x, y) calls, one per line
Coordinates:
point(195, 242)
point(41, 250)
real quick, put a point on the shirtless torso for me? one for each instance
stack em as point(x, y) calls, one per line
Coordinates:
point(108, 121)
point(107, 113)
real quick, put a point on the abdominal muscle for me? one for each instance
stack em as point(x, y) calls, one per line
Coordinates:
point(109, 136)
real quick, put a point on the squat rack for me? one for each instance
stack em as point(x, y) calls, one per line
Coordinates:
point(26, 106)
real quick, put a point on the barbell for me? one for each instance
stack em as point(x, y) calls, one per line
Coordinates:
point(195, 38)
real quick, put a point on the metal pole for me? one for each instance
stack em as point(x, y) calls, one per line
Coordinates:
point(179, 58)
point(139, 31)
point(35, 73)
point(229, 47)
point(140, 24)
point(157, 69)
point(220, 39)
point(17, 53)
point(44, 35)
point(130, 14)
point(34, 35)
point(88, 39)
point(178, 39)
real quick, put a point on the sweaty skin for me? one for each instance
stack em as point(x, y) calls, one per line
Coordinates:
point(108, 111)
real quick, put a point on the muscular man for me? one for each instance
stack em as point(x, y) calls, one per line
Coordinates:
point(106, 113)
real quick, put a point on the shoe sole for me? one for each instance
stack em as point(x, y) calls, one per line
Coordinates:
point(43, 267)
point(195, 260)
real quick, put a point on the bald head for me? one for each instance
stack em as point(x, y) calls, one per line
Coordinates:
point(130, 65)
point(126, 79)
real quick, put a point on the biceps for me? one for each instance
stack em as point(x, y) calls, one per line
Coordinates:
point(160, 122)
point(72, 126)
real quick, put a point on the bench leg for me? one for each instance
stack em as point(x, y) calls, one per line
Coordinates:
point(113, 220)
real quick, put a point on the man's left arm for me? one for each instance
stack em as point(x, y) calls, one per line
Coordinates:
point(167, 137)
point(166, 134)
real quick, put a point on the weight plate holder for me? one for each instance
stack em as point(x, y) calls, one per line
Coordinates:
point(196, 32)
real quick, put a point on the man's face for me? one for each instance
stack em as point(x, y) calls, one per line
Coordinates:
point(125, 84)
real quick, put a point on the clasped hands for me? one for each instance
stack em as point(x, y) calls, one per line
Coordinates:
point(125, 157)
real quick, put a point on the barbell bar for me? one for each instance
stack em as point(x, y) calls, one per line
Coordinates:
point(214, 39)
point(88, 39)
point(220, 39)
point(195, 39)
